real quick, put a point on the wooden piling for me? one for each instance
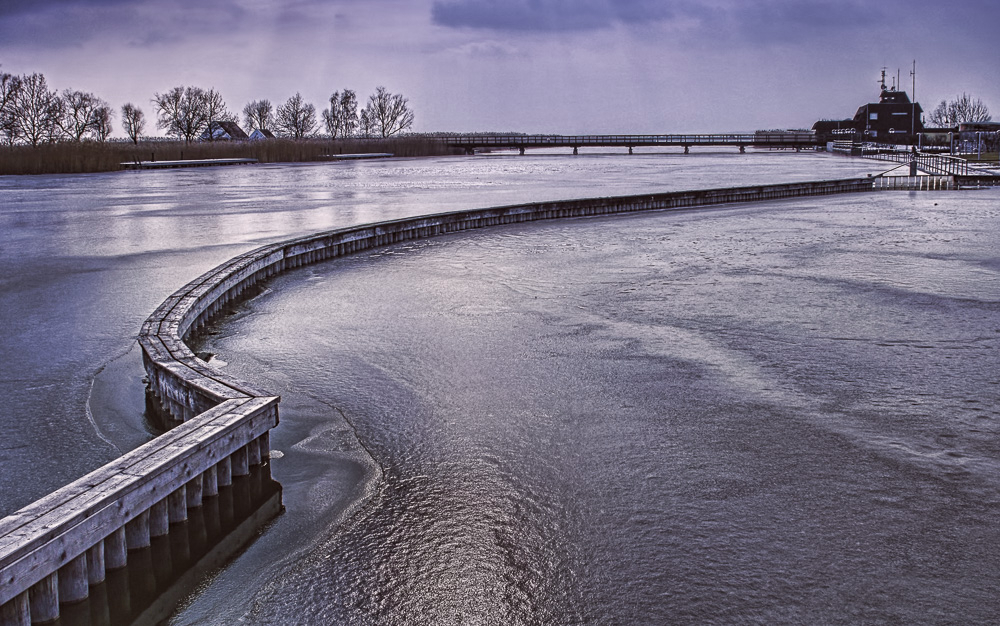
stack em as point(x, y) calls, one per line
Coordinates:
point(116, 550)
point(224, 472)
point(210, 482)
point(240, 462)
point(177, 505)
point(43, 599)
point(194, 492)
point(16, 612)
point(73, 585)
point(96, 569)
point(159, 519)
point(137, 532)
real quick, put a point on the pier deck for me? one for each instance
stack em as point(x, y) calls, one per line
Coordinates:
point(154, 165)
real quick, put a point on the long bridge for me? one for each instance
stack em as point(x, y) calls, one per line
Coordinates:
point(760, 139)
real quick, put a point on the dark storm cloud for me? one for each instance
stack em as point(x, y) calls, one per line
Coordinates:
point(9, 8)
point(547, 15)
point(63, 23)
point(765, 21)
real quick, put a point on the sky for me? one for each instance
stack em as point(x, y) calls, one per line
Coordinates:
point(539, 66)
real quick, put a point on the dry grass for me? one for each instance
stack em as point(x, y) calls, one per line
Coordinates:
point(70, 158)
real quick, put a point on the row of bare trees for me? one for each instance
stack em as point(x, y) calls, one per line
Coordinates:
point(31, 113)
point(385, 114)
point(186, 112)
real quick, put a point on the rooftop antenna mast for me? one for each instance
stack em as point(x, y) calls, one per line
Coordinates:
point(883, 79)
point(913, 99)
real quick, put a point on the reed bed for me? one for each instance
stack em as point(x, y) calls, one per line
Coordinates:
point(74, 158)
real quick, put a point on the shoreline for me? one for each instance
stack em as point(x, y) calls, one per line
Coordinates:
point(93, 157)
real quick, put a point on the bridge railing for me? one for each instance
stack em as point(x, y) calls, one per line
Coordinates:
point(938, 164)
point(735, 139)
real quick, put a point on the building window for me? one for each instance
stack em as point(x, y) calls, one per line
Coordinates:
point(873, 116)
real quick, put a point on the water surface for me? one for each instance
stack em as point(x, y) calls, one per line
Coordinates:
point(775, 413)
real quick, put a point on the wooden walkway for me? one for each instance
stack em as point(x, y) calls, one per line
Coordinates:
point(355, 157)
point(157, 165)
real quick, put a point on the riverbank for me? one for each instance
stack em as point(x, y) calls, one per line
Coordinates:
point(86, 157)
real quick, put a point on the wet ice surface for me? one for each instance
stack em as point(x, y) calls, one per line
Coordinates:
point(780, 413)
point(85, 258)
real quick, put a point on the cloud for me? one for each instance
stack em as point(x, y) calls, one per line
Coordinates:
point(717, 21)
point(54, 24)
point(10, 8)
point(547, 15)
point(712, 20)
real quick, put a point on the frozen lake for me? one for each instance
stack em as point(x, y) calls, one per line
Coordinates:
point(782, 412)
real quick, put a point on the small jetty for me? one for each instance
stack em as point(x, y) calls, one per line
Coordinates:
point(155, 165)
point(355, 157)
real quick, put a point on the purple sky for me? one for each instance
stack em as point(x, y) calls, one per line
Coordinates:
point(556, 66)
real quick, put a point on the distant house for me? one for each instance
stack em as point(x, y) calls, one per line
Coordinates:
point(261, 133)
point(223, 131)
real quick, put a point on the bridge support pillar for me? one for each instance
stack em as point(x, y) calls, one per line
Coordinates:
point(576, 150)
point(630, 149)
point(913, 168)
point(687, 149)
point(522, 151)
point(743, 149)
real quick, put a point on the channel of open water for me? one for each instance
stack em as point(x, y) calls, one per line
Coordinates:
point(782, 412)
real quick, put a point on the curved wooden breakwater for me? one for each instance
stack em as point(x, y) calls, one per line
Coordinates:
point(54, 550)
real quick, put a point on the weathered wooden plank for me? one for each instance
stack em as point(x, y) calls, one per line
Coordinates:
point(190, 438)
point(77, 524)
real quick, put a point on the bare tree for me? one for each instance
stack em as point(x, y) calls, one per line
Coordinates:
point(963, 109)
point(258, 114)
point(366, 125)
point(37, 111)
point(341, 119)
point(183, 112)
point(84, 114)
point(296, 118)
point(102, 122)
point(9, 86)
point(216, 111)
point(133, 119)
point(348, 113)
point(389, 113)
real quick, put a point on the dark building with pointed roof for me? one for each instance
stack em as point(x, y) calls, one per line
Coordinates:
point(893, 114)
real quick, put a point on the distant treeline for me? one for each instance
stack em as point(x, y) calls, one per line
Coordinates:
point(92, 156)
point(45, 131)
